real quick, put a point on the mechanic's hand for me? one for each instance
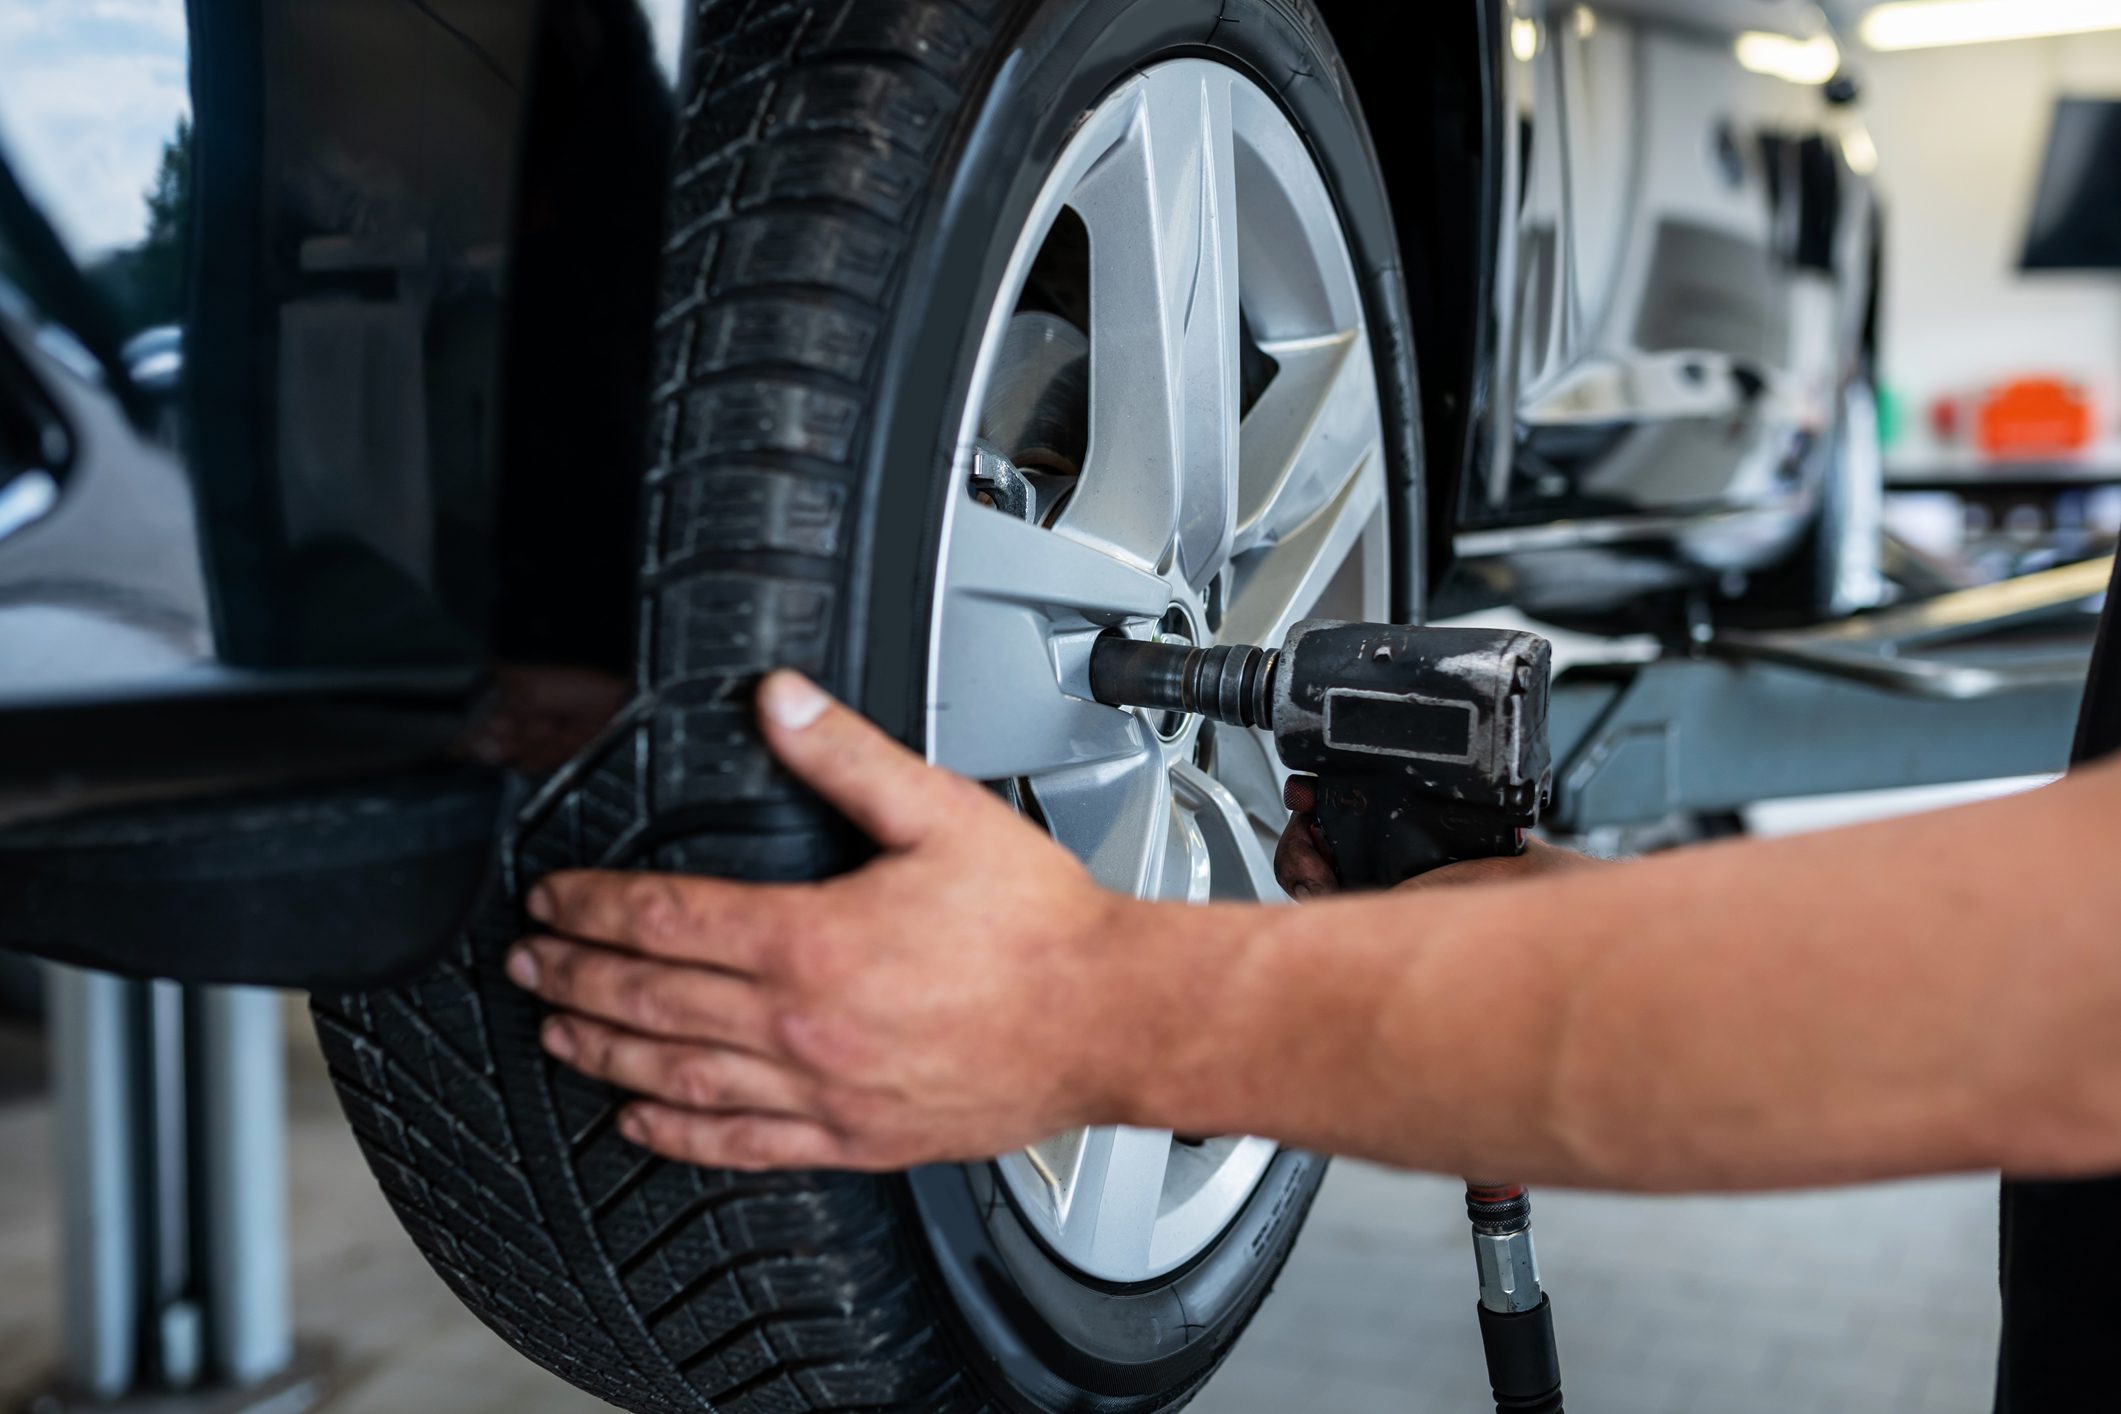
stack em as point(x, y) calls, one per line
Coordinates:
point(1304, 866)
point(942, 1003)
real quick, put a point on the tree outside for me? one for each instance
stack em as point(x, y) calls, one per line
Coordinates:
point(145, 286)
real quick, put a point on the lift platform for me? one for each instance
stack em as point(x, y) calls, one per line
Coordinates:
point(1980, 685)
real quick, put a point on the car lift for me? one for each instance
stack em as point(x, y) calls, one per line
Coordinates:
point(1980, 685)
point(171, 1104)
point(171, 1145)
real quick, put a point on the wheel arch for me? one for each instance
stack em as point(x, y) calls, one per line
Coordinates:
point(1442, 156)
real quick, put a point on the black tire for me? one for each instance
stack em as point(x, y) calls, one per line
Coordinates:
point(849, 183)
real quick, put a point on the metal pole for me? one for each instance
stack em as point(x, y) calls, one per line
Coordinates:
point(94, 1070)
point(241, 1115)
point(166, 1174)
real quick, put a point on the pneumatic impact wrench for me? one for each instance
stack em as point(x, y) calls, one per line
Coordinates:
point(1430, 748)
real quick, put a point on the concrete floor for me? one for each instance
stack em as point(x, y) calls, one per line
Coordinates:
point(1880, 1301)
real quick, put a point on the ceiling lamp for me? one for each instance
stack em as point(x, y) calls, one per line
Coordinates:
point(1933, 24)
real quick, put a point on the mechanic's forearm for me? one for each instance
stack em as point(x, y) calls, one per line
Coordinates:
point(1926, 995)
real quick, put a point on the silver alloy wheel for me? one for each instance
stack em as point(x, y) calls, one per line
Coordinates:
point(1190, 513)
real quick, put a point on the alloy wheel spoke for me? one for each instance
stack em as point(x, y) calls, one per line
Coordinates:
point(1311, 432)
point(997, 557)
point(1017, 600)
point(1247, 765)
point(1161, 209)
point(1114, 815)
point(1108, 1218)
point(1189, 865)
point(1239, 867)
point(1278, 589)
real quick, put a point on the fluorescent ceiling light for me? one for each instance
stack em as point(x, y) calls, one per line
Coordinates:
point(1808, 61)
point(1932, 24)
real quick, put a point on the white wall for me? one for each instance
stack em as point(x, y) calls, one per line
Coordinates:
point(1961, 135)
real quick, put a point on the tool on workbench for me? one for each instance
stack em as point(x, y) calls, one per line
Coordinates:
point(1430, 748)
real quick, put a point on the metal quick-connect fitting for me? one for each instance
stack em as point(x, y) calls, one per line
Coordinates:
point(1509, 1271)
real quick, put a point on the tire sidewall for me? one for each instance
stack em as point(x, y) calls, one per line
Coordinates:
point(1047, 1336)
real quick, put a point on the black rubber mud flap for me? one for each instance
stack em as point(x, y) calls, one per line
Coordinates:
point(378, 873)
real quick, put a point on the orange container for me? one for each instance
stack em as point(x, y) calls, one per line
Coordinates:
point(2036, 418)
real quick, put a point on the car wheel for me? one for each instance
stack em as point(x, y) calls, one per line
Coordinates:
point(986, 329)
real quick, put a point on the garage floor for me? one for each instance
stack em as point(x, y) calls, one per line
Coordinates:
point(1880, 1301)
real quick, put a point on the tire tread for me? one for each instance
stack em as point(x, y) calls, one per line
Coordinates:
point(803, 156)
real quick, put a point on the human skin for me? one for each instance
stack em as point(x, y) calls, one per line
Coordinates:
point(1929, 995)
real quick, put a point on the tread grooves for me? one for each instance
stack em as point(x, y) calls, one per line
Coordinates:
point(599, 1125)
point(750, 372)
point(626, 1187)
point(795, 1366)
point(457, 1128)
point(737, 1263)
point(755, 1325)
point(691, 1212)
